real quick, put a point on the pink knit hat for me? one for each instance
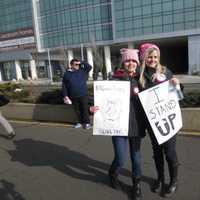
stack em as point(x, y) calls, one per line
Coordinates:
point(129, 54)
point(144, 47)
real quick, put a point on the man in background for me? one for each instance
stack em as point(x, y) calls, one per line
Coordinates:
point(75, 91)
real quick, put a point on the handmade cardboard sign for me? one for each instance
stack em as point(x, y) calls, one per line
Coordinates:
point(162, 109)
point(113, 99)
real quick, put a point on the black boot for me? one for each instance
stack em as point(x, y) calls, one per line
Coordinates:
point(159, 186)
point(173, 185)
point(114, 182)
point(137, 193)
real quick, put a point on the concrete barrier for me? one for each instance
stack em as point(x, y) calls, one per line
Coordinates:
point(39, 112)
point(65, 113)
point(191, 119)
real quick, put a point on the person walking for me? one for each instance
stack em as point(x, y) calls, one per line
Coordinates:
point(128, 72)
point(3, 121)
point(153, 73)
point(75, 91)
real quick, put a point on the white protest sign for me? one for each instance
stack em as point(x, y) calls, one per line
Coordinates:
point(113, 99)
point(163, 111)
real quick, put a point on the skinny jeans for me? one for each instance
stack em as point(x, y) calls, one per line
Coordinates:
point(121, 145)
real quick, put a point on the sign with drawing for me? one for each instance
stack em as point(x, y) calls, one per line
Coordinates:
point(162, 109)
point(113, 99)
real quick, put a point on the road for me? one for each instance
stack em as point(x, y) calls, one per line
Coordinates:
point(54, 162)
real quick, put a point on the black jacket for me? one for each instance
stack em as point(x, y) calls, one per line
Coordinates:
point(149, 82)
point(135, 114)
point(148, 73)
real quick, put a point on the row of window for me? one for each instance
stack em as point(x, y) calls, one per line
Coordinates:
point(152, 9)
point(146, 30)
point(141, 3)
point(15, 15)
point(165, 16)
point(74, 22)
point(163, 19)
point(14, 26)
point(87, 17)
point(11, 19)
point(47, 6)
point(8, 70)
point(77, 36)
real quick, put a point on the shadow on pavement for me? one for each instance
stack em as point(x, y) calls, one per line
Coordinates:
point(77, 165)
point(74, 164)
point(7, 191)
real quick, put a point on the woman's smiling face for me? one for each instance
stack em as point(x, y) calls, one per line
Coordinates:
point(130, 66)
point(152, 59)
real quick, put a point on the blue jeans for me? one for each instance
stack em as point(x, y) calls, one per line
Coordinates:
point(120, 145)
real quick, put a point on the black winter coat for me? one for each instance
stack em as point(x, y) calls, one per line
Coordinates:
point(148, 74)
point(136, 128)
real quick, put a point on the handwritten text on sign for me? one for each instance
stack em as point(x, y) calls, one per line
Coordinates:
point(112, 98)
point(163, 111)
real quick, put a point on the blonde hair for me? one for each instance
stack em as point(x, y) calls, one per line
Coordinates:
point(160, 69)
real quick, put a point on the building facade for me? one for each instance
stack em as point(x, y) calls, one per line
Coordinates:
point(95, 30)
point(16, 41)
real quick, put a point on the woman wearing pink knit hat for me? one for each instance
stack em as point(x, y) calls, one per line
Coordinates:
point(128, 72)
point(153, 73)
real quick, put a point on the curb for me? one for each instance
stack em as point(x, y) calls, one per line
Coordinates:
point(42, 123)
point(182, 133)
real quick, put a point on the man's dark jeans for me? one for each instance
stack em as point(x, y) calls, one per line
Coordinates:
point(81, 108)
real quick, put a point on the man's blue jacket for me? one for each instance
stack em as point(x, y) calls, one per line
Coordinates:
point(74, 83)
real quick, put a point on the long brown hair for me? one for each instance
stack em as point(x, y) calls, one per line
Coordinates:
point(160, 69)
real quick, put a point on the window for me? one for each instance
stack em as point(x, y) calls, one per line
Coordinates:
point(128, 24)
point(156, 8)
point(147, 30)
point(138, 23)
point(189, 16)
point(137, 11)
point(128, 13)
point(157, 20)
point(168, 27)
point(167, 6)
point(147, 10)
point(147, 21)
point(178, 4)
point(167, 19)
point(179, 17)
point(157, 29)
point(178, 26)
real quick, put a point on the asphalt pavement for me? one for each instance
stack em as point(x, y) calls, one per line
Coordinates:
point(56, 162)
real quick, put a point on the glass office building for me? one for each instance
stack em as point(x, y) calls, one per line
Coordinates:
point(16, 40)
point(112, 24)
point(95, 30)
point(135, 18)
point(15, 15)
point(70, 23)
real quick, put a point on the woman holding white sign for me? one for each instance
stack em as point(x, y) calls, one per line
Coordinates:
point(128, 72)
point(153, 73)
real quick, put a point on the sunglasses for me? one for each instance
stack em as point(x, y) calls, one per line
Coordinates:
point(75, 64)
